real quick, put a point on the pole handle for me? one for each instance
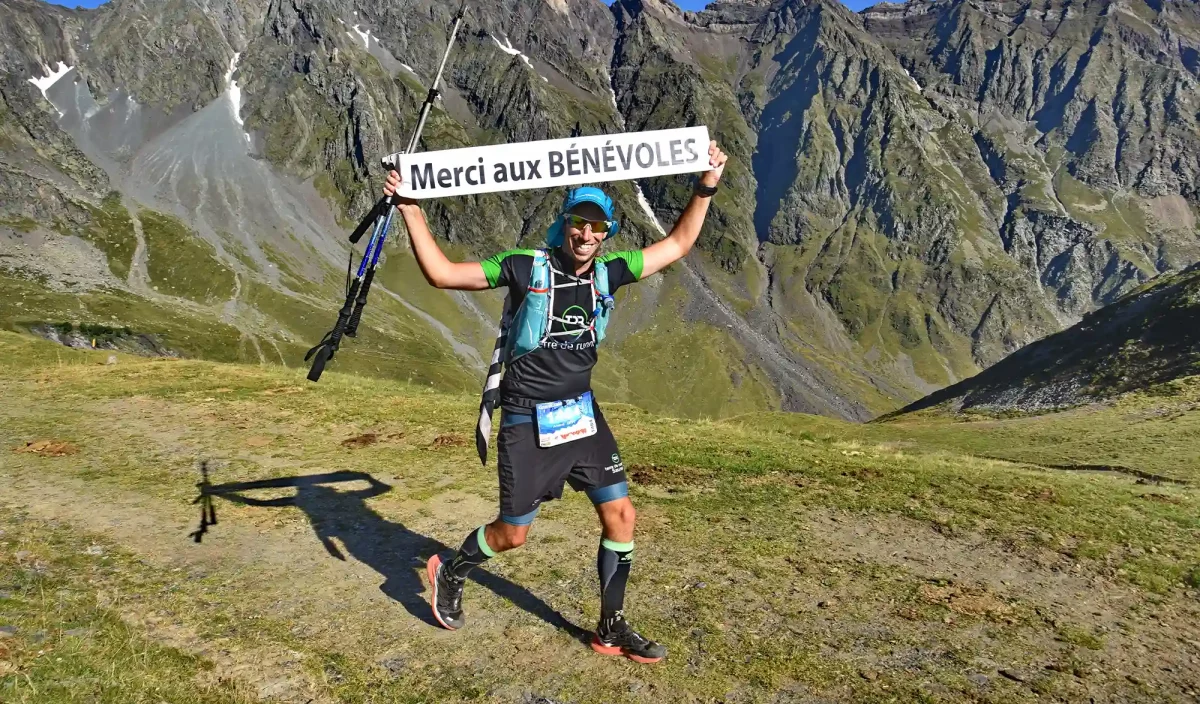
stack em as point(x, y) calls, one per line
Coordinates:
point(359, 304)
point(324, 354)
point(366, 222)
point(328, 347)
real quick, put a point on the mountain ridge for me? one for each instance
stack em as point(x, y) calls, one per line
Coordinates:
point(890, 223)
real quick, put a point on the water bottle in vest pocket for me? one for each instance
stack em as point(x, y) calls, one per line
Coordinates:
point(530, 321)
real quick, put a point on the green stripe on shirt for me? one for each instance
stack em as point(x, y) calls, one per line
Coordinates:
point(633, 259)
point(491, 265)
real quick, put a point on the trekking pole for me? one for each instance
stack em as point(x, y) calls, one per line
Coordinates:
point(381, 216)
point(386, 203)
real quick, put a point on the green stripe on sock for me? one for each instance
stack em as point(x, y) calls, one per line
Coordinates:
point(483, 546)
point(615, 546)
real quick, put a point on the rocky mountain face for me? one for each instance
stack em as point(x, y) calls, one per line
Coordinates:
point(1148, 338)
point(914, 192)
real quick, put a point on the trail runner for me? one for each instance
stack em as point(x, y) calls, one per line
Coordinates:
point(551, 429)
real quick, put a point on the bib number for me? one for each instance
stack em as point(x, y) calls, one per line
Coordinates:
point(559, 422)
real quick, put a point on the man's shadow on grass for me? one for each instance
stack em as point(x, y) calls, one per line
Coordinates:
point(388, 547)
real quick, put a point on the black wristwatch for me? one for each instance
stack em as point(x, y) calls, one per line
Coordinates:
point(706, 191)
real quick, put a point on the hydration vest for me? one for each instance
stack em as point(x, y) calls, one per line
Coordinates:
point(525, 330)
point(532, 322)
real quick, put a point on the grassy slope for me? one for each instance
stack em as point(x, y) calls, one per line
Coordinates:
point(69, 643)
point(720, 578)
point(111, 230)
point(1144, 340)
point(675, 366)
point(179, 263)
point(1152, 432)
point(391, 343)
point(186, 332)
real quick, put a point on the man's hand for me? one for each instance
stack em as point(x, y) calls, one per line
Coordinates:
point(716, 159)
point(392, 185)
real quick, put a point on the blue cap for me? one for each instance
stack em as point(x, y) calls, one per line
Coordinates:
point(589, 194)
point(575, 196)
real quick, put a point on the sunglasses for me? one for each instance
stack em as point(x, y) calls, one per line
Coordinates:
point(578, 223)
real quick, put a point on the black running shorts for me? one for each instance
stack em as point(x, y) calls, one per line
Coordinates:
point(530, 474)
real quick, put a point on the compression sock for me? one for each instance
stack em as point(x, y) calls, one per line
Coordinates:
point(613, 563)
point(474, 552)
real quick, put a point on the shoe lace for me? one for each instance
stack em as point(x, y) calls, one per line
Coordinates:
point(451, 592)
point(617, 626)
point(637, 639)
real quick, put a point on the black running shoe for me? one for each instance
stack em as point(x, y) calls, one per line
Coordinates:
point(614, 636)
point(447, 595)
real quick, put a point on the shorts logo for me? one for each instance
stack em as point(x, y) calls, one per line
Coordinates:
point(616, 466)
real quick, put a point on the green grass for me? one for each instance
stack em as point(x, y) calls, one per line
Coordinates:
point(791, 268)
point(732, 553)
point(1150, 431)
point(20, 223)
point(189, 334)
point(238, 251)
point(718, 68)
point(1081, 637)
point(1141, 431)
point(736, 289)
point(399, 272)
point(67, 646)
point(856, 266)
point(1119, 218)
point(111, 230)
point(391, 342)
point(179, 263)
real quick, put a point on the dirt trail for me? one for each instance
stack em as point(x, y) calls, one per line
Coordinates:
point(139, 275)
point(973, 572)
point(340, 573)
point(351, 579)
point(787, 602)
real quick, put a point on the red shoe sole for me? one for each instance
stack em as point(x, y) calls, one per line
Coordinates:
point(616, 650)
point(431, 569)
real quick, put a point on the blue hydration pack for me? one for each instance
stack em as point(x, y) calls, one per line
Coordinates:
point(531, 325)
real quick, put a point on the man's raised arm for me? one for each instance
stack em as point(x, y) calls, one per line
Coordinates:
point(438, 270)
point(679, 242)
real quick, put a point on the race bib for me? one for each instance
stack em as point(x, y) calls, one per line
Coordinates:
point(563, 421)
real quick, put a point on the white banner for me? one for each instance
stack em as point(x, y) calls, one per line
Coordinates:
point(551, 162)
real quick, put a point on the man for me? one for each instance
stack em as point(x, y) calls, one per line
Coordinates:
point(546, 388)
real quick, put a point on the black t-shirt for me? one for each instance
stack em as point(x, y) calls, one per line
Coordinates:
point(562, 367)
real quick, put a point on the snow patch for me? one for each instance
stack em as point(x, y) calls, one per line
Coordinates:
point(235, 92)
point(365, 36)
point(509, 49)
point(51, 78)
point(916, 85)
point(646, 207)
point(506, 47)
point(613, 94)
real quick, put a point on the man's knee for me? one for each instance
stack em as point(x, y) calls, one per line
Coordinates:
point(626, 515)
point(503, 536)
point(618, 514)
